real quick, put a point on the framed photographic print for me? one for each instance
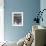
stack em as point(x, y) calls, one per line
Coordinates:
point(17, 18)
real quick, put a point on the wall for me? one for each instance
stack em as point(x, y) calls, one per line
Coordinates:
point(43, 6)
point(29, 7)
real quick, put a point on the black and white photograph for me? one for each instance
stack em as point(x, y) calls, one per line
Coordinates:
point(17, 18)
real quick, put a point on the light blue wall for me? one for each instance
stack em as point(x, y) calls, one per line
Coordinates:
point(29, 7)
point(43, 6)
